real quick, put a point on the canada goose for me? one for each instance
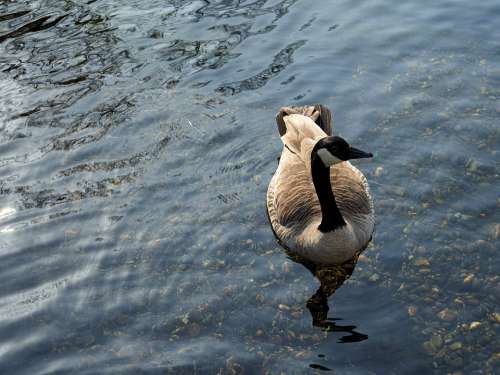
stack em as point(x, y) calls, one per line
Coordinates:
point(319, 205)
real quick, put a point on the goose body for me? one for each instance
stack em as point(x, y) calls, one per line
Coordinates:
point(318, 203)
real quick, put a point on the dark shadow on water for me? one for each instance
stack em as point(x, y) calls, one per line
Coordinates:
point(331, 278)
point(319, 367)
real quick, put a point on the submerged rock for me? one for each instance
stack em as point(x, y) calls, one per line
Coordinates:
point(474, 325)
point(447, 315)
point(437, 341)
point(496, 317)
point(374, 278)
point(456, 346)
point(412, 311)
point(455, 361)
point(468, 279)
point(495, 232)
point(472, 166)
point(433, 345)
point(421, 262)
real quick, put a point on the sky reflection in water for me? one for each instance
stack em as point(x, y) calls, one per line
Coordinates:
point(137, 140)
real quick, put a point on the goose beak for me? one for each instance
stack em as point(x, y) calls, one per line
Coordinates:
point(355, 153)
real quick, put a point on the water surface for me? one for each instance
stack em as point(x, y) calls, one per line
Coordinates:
point(137, 141)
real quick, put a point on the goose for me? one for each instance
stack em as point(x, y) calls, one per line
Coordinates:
point(319, 205)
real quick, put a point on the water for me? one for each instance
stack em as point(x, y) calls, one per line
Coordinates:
point(137, 140)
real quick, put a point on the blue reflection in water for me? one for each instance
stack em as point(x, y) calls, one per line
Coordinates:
point(137, 140)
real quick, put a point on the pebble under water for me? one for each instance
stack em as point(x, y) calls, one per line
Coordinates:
point(137, 139)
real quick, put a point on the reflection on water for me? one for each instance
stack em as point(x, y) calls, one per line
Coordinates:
point(137, 140)
point(331, 278)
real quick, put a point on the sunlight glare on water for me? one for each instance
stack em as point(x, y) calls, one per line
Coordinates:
point(137, 140)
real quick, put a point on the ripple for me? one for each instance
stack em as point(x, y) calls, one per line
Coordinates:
point(39, 24)
point(280, 62)
point(137, 140)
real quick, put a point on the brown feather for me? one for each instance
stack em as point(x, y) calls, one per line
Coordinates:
point(296, 200)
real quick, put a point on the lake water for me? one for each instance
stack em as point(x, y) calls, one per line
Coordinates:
point(137, 139)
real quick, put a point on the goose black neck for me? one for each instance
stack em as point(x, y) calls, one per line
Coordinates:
point(331, 216)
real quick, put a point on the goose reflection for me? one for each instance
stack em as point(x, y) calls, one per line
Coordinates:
point(331, 278)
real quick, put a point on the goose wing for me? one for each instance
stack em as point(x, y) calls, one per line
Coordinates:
point(293, 198)
point(351, 190)
point(295, 201)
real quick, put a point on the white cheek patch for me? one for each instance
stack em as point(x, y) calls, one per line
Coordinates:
point(327, 157)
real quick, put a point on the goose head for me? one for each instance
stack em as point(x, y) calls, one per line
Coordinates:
point(334, 149)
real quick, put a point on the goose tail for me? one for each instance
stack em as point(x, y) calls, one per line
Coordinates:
point(318, 113)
